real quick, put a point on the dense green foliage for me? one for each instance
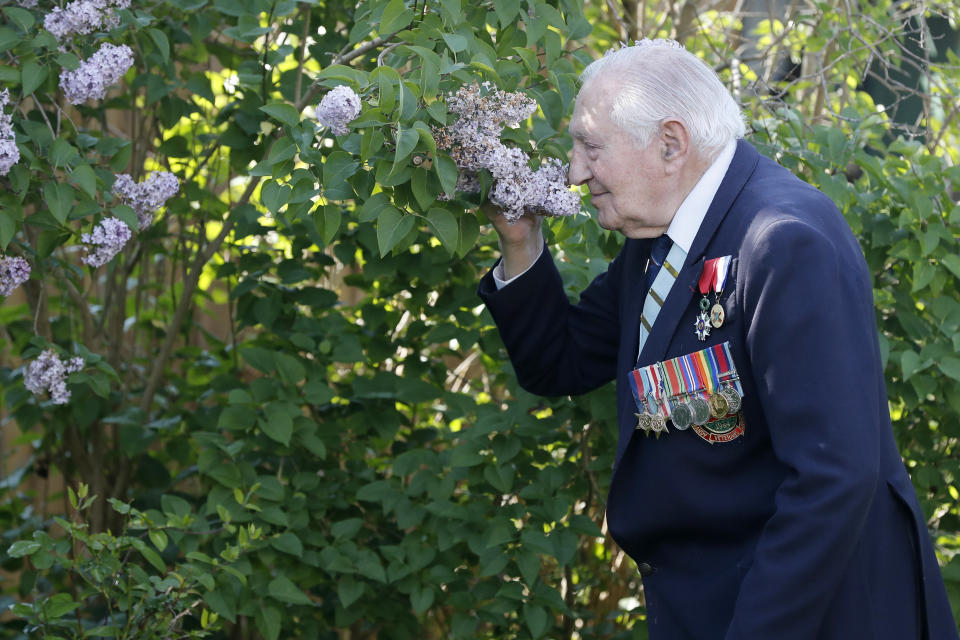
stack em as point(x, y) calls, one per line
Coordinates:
point(295, 417)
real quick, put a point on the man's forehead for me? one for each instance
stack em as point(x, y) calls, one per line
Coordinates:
point(589, 112)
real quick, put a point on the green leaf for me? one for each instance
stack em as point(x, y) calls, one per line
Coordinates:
point(84, 177)
point(8, 227)
point(418, 184)
point(59, 199)
point(536, 619)
point(288, 543)
point(909, 363)
point(159, 539)
point(421, 598)
point(22, 548)
point(33, 75)
point(950, 366)
point(278, 421)
point(455, 41)
point(391, 227)
point(269, 622)
point(469, 232)
point(952, 262)
point(446, 170)
point(20, 17)
point(127, 216)
point(163, 45)
point(338, 166)
point(62, 153)
point(349, 590)
point(406, 141)
point(149, 555)
point(282, 112)
point(59, 605)
point(445, 227)
point(331, 222)
point(395, 17)
point(283, 589)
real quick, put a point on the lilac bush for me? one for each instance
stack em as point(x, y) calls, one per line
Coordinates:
point(105, 242)
point(14, 271)
point(147, 196)
point(83, 17)
point(48, 373)
point(338, 107)
point(473, 142)
point(96, 74)
point(9, 153)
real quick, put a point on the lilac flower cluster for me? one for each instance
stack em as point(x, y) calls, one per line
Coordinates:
point(48, 373)
point(14, 271)
point(147, 196)
point(106, 241)
point(473, 142)
point(82, 17)
point(96, 74)
point(337, 108)
point(9, 153)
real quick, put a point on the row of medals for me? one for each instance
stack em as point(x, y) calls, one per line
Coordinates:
point(694, 410)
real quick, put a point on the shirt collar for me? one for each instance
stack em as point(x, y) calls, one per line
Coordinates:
point(686, 222)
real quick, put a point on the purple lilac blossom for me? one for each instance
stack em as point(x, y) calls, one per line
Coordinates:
point(83, 17)
point(48, 373)
point(96, 74)
point(9, 153)
point(337, 108)
point(14, 271)
point(27, 4)
point(147, 196)
point(473, 142)
point(106, 240)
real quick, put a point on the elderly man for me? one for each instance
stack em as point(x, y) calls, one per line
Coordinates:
point(738, 323)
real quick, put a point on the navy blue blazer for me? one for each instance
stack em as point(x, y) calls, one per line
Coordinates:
point(805, 527)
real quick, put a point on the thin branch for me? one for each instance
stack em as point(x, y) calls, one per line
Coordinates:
point(186, 298)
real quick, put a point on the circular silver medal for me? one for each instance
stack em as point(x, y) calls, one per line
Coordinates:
point(700, 409)
point(682, 416)
point(733, 398)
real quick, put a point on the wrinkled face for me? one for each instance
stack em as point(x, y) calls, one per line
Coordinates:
point(628, 185)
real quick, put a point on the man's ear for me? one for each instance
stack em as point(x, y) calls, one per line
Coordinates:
point(674, 144)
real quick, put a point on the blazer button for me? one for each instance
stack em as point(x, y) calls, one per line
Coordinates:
point(645, 569)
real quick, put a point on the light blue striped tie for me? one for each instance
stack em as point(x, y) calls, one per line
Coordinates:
point(662, 283)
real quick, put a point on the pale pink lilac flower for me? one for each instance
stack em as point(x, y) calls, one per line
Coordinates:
point(473, 142)
point(338, 107)
point(14, 271)
point(106, 241)
point(48, 373)
point(83, 17)
point(148, 196)
point(9, 153)
point(96, 74)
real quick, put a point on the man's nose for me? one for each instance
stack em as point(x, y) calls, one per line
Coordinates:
point(578, 173)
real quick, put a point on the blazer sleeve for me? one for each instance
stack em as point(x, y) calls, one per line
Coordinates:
point(557, 348)
point(811, 343)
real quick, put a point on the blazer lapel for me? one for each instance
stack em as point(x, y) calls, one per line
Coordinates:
point(685, 288)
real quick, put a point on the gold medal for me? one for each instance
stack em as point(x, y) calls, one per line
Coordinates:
point(717, 316)
point(719, 405)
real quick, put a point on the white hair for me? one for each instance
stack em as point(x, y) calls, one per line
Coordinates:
point(660, 80)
